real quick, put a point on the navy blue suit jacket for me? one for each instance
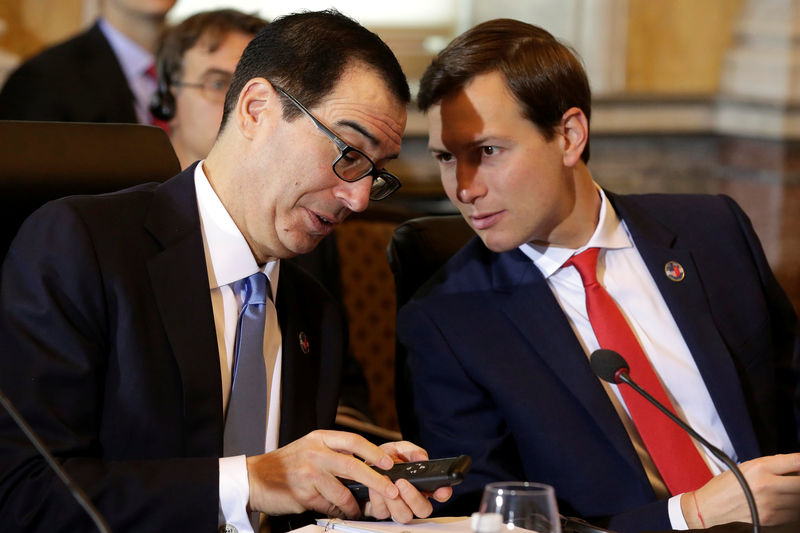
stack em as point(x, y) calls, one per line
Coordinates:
point(108, 348)
point(79, 80)
point(497, 372)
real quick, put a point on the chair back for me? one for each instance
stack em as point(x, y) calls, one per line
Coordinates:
point(369, 298)
point(419, 247)
point(41, 161)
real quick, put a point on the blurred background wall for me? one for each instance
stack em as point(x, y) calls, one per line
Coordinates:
point(638, 46)
point(689, 95)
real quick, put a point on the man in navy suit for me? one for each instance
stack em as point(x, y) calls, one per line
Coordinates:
point(118, 313)
point(100, 75)
point(498, 341)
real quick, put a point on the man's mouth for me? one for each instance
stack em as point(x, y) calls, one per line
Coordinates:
point(485, 220)
point(323, 223)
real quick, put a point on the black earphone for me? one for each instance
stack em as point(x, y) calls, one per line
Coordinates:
point(162, 103)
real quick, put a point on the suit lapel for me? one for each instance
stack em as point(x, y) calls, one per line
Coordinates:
point(300, 377)
point(180, 285)
point(526, 299)
point(689, 306)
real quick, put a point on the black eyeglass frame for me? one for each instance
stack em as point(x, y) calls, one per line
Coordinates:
point(392, 182)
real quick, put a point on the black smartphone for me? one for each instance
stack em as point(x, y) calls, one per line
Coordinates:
point(426, 476)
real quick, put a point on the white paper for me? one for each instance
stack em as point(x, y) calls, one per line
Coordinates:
point(445, 524)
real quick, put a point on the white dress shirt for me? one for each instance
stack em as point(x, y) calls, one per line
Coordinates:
point(134, 61)
point(621, 270)
point(229, 259)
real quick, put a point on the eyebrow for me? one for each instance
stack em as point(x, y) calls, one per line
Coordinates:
point(487, 139)
point(360, 129)
point(217, 71)
point(482, 140)
point(370, 137)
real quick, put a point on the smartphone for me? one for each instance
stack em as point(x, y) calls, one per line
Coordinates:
point(426, 476)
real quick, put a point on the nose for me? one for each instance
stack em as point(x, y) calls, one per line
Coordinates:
point(354, 195)
point(468, 186)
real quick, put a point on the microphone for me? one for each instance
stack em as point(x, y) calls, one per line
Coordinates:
point(610, 366)
point(74, 489)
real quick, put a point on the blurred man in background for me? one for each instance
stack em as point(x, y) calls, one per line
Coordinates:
point(196, 61)
point(106, 74)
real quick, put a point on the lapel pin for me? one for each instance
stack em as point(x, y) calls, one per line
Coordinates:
point(674, 271)
point(304, 342)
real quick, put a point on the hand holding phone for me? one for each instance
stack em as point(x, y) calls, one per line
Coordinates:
point(426, 476)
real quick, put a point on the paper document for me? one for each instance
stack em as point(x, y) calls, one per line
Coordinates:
point(445, 524)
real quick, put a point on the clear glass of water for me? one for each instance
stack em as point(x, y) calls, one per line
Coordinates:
point(522, 504)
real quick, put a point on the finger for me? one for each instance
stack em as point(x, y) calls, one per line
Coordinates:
point(415, 454)
point(787, 503)
point(348, 467)
point(391, 449)
point(442, 494)
point(778, 509)
point(788, 463)
point(350, 443)
point(320, 504)
point(404, 451)
point(785, 488)
point(376, 506)
point(399, 511)
point(788, 483)
point(337, 496)
point(410, 503)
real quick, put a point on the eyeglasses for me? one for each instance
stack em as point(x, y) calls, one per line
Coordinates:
point(214, 86)
point(353, 164)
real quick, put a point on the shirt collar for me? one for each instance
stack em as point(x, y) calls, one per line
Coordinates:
point(133, 59)
point(228, 257)
point(609, 233)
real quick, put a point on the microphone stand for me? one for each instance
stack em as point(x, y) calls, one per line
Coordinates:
point(76, 491)
point(624, 377)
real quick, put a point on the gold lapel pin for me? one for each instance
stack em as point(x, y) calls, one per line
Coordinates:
point(674, 271)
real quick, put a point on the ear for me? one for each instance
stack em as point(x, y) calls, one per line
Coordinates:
point(575, 129)
point(258, 105)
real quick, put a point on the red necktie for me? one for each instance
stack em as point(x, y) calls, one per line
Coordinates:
point(672, 450)
point(155, 121)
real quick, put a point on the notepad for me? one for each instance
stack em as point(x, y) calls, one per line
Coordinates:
point(445, 524)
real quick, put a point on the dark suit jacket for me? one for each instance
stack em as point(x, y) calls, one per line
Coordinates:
point(108, 348)
point(499, 374)
point(79, 80)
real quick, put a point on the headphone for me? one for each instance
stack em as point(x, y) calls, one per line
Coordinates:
point(162, 103)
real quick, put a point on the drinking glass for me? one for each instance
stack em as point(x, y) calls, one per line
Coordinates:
point(521, 504)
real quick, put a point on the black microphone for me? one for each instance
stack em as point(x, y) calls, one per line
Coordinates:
point(74, 489)
point(610, 366)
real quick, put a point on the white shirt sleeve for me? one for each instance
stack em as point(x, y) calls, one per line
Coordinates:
point(676, 518)
point(234, 493)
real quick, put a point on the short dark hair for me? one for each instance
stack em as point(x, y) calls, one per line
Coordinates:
point(306, 53)
point(210, 25)
point(544, 75)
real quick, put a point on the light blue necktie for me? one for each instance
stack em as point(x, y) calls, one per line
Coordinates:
point(246, 419)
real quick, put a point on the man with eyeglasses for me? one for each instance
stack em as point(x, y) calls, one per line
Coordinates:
point(167, 356)
point(196, 60)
